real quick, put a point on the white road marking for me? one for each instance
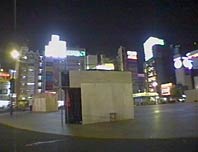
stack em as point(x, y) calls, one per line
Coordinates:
point(43, 142)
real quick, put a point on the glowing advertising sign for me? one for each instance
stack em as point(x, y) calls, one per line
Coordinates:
point(194, 57)
point(106, 66)
point(56, 48)
point(183, 61)
point(132, 55)
point(2, 74)
point(166, 89)
point(75, 53)
point(148, 46)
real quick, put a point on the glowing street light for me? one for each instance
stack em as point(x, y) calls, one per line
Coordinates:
point(14, 84)
point(15, 54)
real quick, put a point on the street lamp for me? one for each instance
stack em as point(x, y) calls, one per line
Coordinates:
point(15, 54)
point(13, 83)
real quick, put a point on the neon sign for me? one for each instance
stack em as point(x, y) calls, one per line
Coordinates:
point(183, 61)
point(75, 53)
point(148, 46)
point(132, 55)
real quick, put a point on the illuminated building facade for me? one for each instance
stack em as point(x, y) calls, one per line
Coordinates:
point(166, 89)
point(193, 57)
point(59, 59)
point(91, 62)
point(141, 82)
point(183, 72)
point(4, 86)
point(29, 79)
point(74, 60)
point(186, 70)
point(151, 75)
point(131, 65)
point(99, 62)
point(158, 65)
point(128, 61)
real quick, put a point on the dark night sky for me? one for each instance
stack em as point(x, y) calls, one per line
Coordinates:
point(99, 25)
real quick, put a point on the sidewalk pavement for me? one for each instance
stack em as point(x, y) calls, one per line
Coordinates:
point(157, 121)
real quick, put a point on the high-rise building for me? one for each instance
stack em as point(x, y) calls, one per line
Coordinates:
point(128, 61)
point(91, 62)
point(182, 73)
point(4, 86)
point(186, 70)
point(28, 74)
point(158, 65)
point(74, 60)
point(122, 57)
point(193, 57)
point(141, 82)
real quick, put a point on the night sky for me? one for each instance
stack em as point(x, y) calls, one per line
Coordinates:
point(100, 26)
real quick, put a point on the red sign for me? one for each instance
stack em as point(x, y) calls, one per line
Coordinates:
point(4, 74)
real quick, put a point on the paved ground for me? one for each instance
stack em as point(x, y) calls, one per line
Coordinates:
point(16, 140)
point(157, 121)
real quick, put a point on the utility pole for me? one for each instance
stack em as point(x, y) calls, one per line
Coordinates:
point(14, 16)
point(12, 91)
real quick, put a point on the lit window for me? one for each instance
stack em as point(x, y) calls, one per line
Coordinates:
point(31, 69)
point(39, 77)
point(30, 83)
point(39, 84)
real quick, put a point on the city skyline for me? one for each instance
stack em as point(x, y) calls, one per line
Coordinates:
point(99, 26)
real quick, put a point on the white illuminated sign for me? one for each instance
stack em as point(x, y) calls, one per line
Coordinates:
point(132, 55)
point(166, 89)
point(148, 46)
point(178, 63)
point(187, 63)
point(183, 61)
point(56, 48)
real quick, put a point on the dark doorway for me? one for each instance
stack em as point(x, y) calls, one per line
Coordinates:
point(73, 106)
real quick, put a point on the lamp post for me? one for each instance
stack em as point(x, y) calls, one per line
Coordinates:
point(14, 13)
point(13, 83)
point(16, 56)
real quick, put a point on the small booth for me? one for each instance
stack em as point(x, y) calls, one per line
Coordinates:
point(45, 102)
point(98, 96)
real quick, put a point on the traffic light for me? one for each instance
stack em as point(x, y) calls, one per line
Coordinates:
point(12, 85)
